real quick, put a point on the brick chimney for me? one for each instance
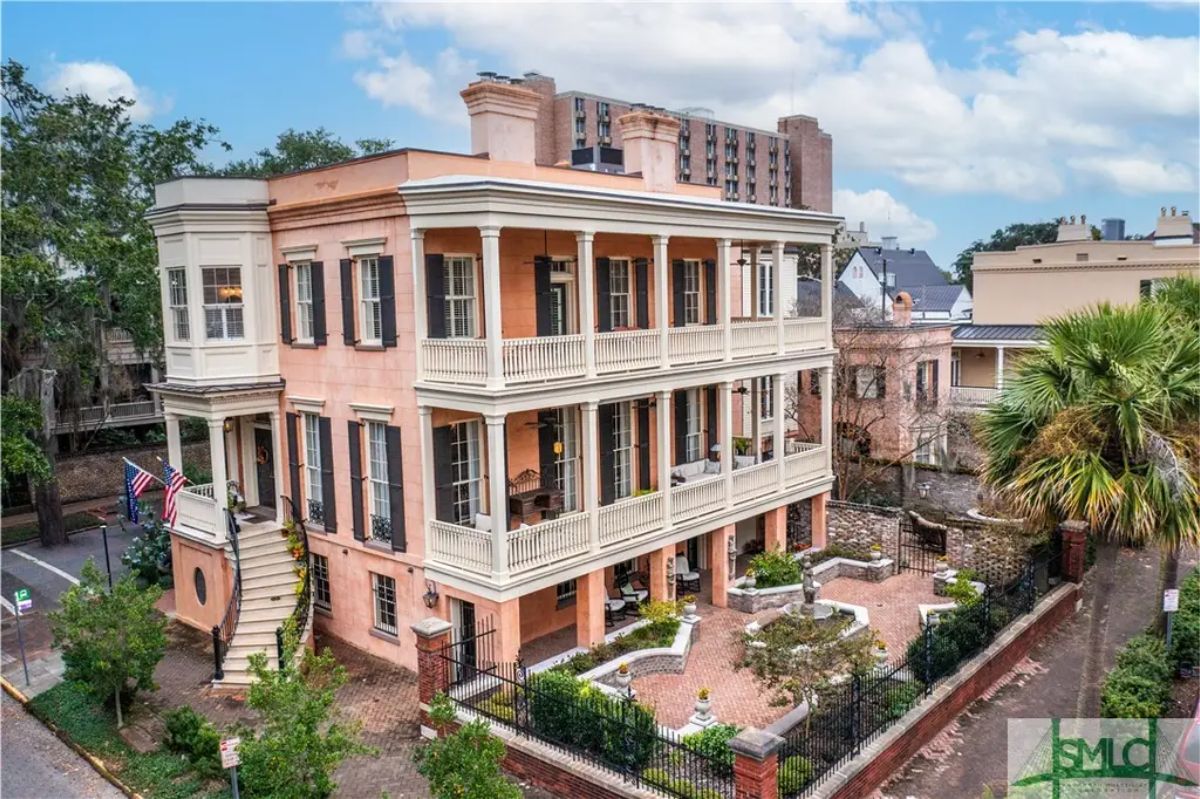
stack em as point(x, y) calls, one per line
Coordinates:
point(1174, 229)
point(902, 309)
point(651, 141)
point(503, 120)
point(1072, 231)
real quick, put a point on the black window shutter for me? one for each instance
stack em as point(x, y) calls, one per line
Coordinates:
point(541, 289)
point(320, 337)
point(328, 487)
point(921, 380)
point(354, 436)
point(603, 295)
point(710, 292)
point(643, 439)
point(547, 436)
point(710, 412)
point(608, 475)
point(293, 449)
point(435, 290)
point(395, 476)
point(642, 272)
point(443, 474)
point(387, 300)
point(880, 382)
point(349, 329)
point(285, 304)
point(681, 427)
point(678, 279)
point(933, 395)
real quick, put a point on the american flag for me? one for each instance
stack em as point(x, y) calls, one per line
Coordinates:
point(137, 480)
point(175, 481)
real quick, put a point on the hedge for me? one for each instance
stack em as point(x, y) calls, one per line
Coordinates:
point(1139, 686)
point(1185, 628)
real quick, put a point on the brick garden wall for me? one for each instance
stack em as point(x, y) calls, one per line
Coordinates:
point(101, 475)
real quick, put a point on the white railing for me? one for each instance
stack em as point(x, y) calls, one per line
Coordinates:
point(754, 338)
point(627, 350)
point(695, 344)
point(455, 360)
point(803, 334)
point(197, 509)
point(755, 481)
point(804, 465)
point(461, 546)
point(973, 395)
point(693, 499)
point(202, 490)
point(530, 360)
point(564, 537)
point(630, 518)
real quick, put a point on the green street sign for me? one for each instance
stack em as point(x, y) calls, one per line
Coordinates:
point(23, 600)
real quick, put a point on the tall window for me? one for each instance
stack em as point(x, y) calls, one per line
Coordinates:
point(312, 467)
point(926, 446)
point(460, 297)
point(222, 302)
point(320, 573)
point(955, 370)
point(377, 483)
point(465, 471)
point(691, 292)
point(178, 299)
point(384, 589)
point(927, 381)
point(622, 445)
point(692, 438)
point(868, 382)
point(568, 464)
point(304, 308)
point(371, 318)
point(766, 289)
point(618, 283)
point(766, 397)
point(565, 592)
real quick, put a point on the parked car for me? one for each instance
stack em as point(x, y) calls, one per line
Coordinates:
point(1188, 759)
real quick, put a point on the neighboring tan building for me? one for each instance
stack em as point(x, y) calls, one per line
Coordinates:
point(791, 167)
point(491, 388)
point(1016, 290)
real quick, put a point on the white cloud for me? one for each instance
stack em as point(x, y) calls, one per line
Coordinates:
point(433, 91)
point(104, 82)
point(884, 215)
point(1137, 175)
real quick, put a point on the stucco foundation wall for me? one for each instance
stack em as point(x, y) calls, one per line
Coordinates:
point(101, 475)
point(186, 557)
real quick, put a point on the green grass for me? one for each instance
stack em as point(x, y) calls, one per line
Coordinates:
point(159, 774)
point(20, 533)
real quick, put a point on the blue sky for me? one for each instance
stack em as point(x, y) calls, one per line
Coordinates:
point(949, 119)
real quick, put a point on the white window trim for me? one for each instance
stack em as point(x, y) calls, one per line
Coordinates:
point(176, 309)
point(318, 571)
point(694, 446)
point(300, 252)
point(476, 280)
point(301, 337)
point(363, 301)
point(364, 248)
point(377, 624)
point(629, 292)
point(688, 265)
point(625, 411)
point(474, 480)
point(377, 484)
point(312, 466)
point(224, 307)
point(307, 404)
point(368, 412)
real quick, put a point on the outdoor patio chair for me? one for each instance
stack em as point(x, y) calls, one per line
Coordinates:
point(633, 597)
point(685, 578)
point(613, 608)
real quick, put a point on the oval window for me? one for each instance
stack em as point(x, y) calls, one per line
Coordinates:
point(201, 587)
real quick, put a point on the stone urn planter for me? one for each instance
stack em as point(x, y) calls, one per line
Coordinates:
point(876, 554)
point(881, 655)
point(750, 580)
point(624, 677)
point(689, 606)
point(703, 703)
point(942, 566)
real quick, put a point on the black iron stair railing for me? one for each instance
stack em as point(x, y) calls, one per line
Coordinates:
point(222, 633)
point(300, 615)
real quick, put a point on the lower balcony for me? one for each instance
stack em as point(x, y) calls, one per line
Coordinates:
point(973, 396)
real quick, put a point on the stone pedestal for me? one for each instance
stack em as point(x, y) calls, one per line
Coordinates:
point(756, 764)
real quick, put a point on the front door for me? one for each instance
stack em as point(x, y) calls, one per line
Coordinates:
point(264, 467)
point(462, 619)
point(558, 309)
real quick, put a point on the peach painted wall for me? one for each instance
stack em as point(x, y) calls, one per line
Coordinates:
point(186, 557)
point(540, 614)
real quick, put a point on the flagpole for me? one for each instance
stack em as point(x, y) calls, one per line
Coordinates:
point(179, 470)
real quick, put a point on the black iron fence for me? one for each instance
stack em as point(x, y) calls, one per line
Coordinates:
point(303, 610)
point(853, 713)
point(919, 545)
point(607, 730)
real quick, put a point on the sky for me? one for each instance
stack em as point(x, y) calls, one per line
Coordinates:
point(949, 120)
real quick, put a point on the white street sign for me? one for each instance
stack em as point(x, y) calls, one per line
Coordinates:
point(229, 752)
point(1170, 600)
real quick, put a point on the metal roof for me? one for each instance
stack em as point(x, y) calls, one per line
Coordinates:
point(999, 333)
point(911, 267)
point(935, 298)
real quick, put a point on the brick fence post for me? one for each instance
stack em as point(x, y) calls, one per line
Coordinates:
point(1074, 538)
point(433, 670)
point(755, 764)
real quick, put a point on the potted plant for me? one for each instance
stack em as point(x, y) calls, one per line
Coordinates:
point(881, 654)
point(623, 675)
point(703, 703)
point(689, 605)
point(749, 583)
point(876, 552)
point(942, 566)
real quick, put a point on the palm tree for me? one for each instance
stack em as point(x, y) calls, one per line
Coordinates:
point(1101, 424)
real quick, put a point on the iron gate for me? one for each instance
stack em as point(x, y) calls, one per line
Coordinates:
point(918, 546)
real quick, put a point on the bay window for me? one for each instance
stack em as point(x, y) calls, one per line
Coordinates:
point(222, 302)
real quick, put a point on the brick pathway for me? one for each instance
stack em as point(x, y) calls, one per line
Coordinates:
point(892, 604)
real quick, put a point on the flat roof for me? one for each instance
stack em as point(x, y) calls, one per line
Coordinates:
point(672, 112)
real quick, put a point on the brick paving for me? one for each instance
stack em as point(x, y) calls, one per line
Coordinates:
point(892, 604)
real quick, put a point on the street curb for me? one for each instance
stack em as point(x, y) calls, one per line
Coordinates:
point(95, 762)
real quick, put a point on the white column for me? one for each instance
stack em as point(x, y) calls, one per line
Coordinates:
point(420, 306)
point(216, 447)
point(498, 492)
point(278, 444)
point(724, 300)
point(777, 287)
point(777, 418)
point(587, 299)
point(755, 419)
point(754, 307)
point(590, 452)
point(726, 403)
point(492, 299)
point(999, 367)
point(428, 486)
point(827, 278)
point(662, 295)
point(827, 415)
point(174, 446)
point(663, 417)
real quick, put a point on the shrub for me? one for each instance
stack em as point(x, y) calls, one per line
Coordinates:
point(837, 551)
point(713, 743)
point(776, 568)
point(794, 773)
point(902, 698)
point(678, 786)
point(658, 633)
point(961, 590)
point(464, 764)
point(148, 556)
point(189, 733)
point(1140, 684)
point(499, 705)
point(1185, 633)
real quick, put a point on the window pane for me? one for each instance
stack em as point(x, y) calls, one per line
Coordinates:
point(377, 467)
point(312, 468)
point(465, 471)
point(384, 589)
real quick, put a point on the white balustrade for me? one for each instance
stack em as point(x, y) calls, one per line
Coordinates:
point(629, 519)
point(547, 542)
point(455, 360)
point(197, 510)
point(697, 498)
point(751, 338)
point(530, 360)
point(805, 333)
point(201, 490)
point(973, 395)
point(461, 546)
point(804, 465)
point(755, 481)
point(695, 344)
point(627, 350)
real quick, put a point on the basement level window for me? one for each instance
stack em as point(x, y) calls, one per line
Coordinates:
point(1081, 256)
point(1037, 260)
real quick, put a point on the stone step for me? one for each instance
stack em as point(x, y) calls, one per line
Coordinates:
point(266, 567)
point(272, 612)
